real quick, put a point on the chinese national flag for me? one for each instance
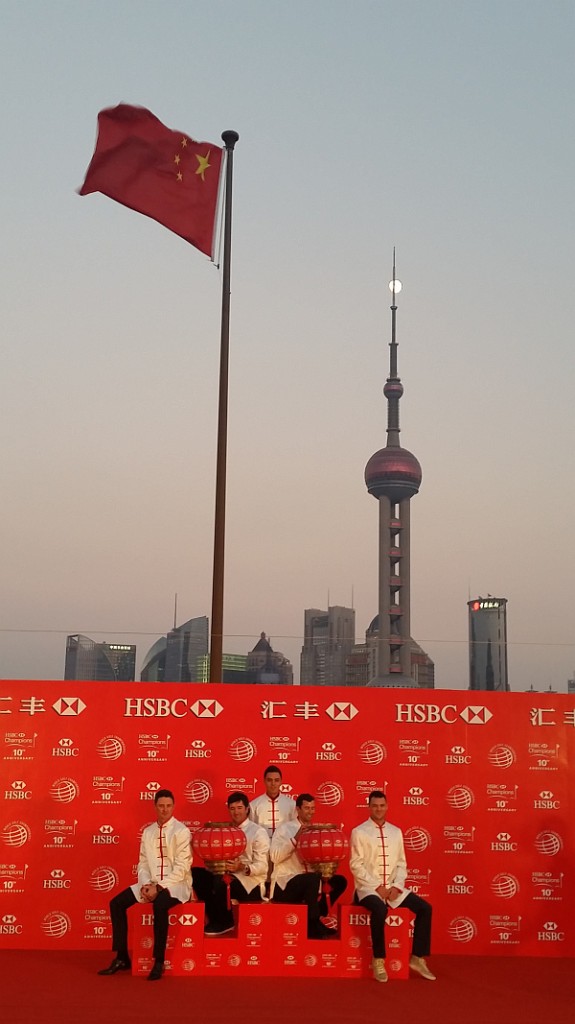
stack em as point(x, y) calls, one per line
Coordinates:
point(161, 173)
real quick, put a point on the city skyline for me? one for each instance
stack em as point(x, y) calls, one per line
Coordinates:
point(424, 127)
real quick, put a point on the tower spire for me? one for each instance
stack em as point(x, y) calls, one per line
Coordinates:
point(393, 388)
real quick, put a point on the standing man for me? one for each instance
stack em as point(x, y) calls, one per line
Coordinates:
point(272, 807)
point(292, 882)
point(377, 863)
point(164, 879)
point(249, 871)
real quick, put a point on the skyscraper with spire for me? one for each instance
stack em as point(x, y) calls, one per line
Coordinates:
point(393, 476)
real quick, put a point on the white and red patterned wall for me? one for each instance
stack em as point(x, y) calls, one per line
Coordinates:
point(481, 785)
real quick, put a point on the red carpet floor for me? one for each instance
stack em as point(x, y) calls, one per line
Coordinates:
point(63, 988)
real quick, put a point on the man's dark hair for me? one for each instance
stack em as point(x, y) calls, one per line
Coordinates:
point(376, 794)
point(238, 798)
point(306, 798)
point(166, 793)
point(273, 768)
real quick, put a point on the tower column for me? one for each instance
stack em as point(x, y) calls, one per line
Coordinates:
point(383, 646)
point(405, 569)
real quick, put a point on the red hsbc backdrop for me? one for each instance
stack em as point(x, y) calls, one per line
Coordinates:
point(479, 783)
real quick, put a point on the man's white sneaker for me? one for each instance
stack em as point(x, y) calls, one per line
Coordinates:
point(417, 963)
point(379, 971)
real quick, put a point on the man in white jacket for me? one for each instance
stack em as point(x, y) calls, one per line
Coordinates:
point(273, 807)
point(378, 865)
point(248, 871)
point(292, 882)
point(164, 879)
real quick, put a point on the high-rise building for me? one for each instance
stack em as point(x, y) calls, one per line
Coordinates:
point(177, 657)
point(393, 476)
point(329, 637)
point(234, 668)
point(488, 643)
point(264, 665)
point(100, 662)
point(362, 664)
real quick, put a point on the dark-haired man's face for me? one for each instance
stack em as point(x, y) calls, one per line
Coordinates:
point(306, 811)
point(378, 809)
point(238, 812)
point(164, 809)
point(272, 782)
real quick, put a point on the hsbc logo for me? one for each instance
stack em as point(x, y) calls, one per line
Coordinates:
point(57, 880)
point(161, 707)
point(105, 836)
point(341, 711)
point(503, 843)
point(69, 707)
point(459, 886)
point(197, 749)
point(328, 752)
point(65, 748)
point(206, 709)
point(9, 925)
point(150, 791)
point(187, 919)
point(18, 791)
point(416, 798)
point(546, 801)
point(432, 713)
point(551, 933)
point(457, 755)
point(476, 715)
point(394, 920)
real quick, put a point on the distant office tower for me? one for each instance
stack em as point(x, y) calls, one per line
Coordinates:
point(571, 685)
point(185, 646)
point(100, 662)
point(488, 643)
point(154, 664)
point(357, 666)
point(233, 668)
point(264, 665)
point(393, 476)
point(329, 637)
point(362, 664)
point(177, 657)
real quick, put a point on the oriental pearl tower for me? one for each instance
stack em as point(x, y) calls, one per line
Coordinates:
point(393, 476)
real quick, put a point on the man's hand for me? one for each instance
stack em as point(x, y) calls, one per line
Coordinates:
point(394, 893)
point(234, 865)
point(149, 892)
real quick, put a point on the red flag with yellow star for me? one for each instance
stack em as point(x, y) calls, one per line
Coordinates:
point(161, 173)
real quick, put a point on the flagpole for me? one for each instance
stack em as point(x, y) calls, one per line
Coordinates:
point(217, 622)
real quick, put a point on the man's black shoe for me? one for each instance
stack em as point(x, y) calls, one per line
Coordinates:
point(157, 971)
point(117, 965)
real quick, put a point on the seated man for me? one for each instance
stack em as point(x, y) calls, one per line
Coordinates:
point(292, 882)
point(164, 879)
point(377, 863)
point(248, 871)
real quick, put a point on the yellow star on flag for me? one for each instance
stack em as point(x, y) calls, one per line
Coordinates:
point(203, 164)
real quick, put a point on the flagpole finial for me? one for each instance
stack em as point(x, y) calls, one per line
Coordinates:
point(230, 138)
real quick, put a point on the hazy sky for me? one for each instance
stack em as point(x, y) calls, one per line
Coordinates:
point(443, 128)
